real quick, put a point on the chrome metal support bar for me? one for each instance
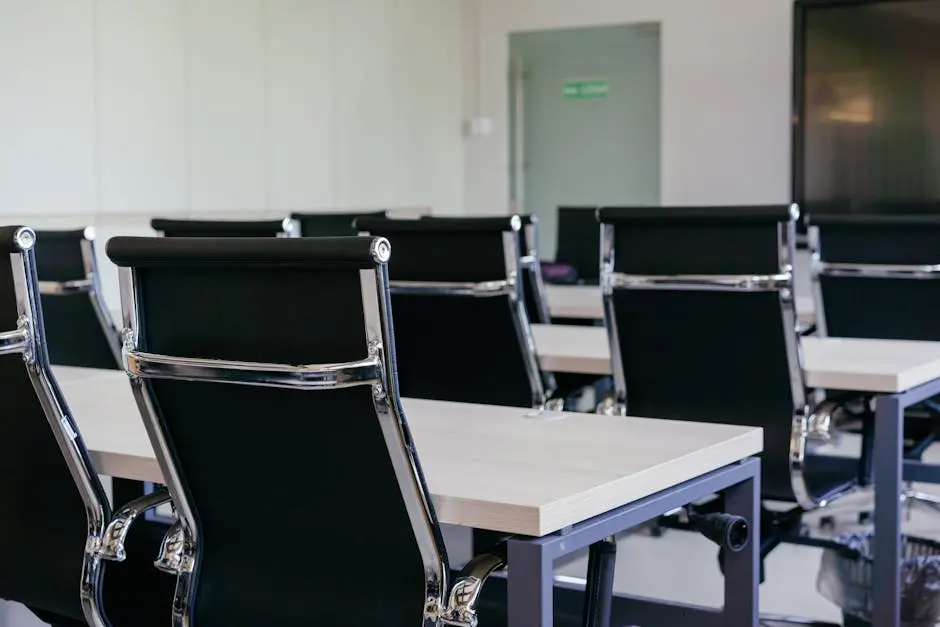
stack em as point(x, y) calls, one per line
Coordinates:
point(715, 282)
point(441, 288)
point(14, 341)
point(309, 377)
point(878, 271)
point(112, 545)
point(66, 288)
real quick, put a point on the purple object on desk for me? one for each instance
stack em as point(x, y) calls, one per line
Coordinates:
point(558, 273)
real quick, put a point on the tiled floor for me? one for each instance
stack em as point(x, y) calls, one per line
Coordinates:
point(682, 566)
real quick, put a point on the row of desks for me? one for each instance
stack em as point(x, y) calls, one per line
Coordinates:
point(881, 366)
point(561, 480)
point(900, 374)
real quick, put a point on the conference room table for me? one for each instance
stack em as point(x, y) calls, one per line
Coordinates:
point(560, 481)
point(583, 302)
point(899, 374)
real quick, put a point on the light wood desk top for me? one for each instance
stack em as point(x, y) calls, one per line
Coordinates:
point(583, 302)
point(486, 467)
point(883, 366)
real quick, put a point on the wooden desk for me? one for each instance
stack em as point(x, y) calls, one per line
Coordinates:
point(487, 467)
point(583, 302)
point(882, 366)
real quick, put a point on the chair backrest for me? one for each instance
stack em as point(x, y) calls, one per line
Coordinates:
point(78, 325)
point(578, 242)
point(877, 276)
point(455, 282)
point(331, 224)
point(225, 228)
point(225, 330)
point(54, 506)
point(699, 309)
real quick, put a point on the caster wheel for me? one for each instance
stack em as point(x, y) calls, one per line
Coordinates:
point(864, 518)
point(657, 531)
point(827, 523)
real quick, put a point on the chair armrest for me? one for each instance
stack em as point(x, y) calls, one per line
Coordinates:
point(171, 557)
point(822, 422)
point(461, 607)
point(112, 544)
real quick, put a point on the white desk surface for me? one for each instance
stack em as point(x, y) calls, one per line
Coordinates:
point(882, 366)
point(486, 467)
point(584, 302)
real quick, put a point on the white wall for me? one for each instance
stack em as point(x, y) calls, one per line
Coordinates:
point(137, 107)
point(114, 111)
point(726, 68)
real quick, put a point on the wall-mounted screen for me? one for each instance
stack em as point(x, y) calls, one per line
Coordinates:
point(867, 106)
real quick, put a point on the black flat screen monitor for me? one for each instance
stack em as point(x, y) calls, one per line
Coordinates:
point(579, 242)
point(866, 134)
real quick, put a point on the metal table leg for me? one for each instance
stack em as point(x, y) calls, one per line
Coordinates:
point(888, 456)
point(530, 586)
point(742, 569)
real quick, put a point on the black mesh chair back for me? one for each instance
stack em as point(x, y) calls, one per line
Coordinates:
point(578, 241)
point(224, 228)
point(331, 224)
point(78, 325)
point(265, 372)
point(455, 282)
point(55, 510)
point(877, 276)
point(702, 325)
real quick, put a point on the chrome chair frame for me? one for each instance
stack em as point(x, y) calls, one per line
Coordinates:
point(509, 285)
point(290, 228)
point(89, 285)
point(180, 550)
point(29, 341)
point(807, 424)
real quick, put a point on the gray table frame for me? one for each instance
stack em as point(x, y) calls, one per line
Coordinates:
point(531, 560)
point(890, 470)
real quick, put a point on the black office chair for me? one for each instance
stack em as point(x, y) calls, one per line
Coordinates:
point(877, 276)
point(225, 228)
point(331, 224)
point(78, 325)
point(455, 283)
point(699, 310)
point(567, 385)
point(57, 521)
point(578, 242)
point(342, 530)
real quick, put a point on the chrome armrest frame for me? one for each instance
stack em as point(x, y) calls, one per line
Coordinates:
point(461, 605)
point(821, 424)
point(173, 558)
point(115, 534)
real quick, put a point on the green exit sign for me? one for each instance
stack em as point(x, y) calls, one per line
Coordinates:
point(586, 90)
